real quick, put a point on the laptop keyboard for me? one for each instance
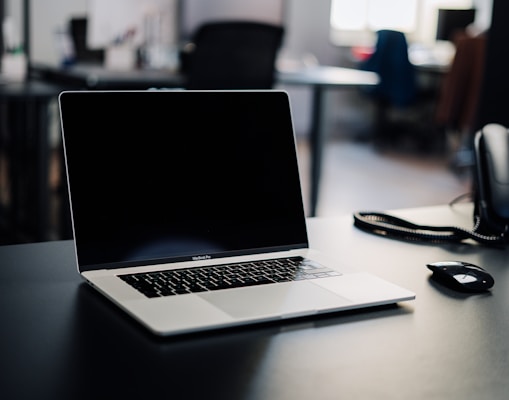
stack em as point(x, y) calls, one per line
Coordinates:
point(202, 279)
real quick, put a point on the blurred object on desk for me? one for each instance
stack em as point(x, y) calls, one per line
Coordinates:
point(80, 52)
point(121, 57)
point(14, 67)
point(435, 57)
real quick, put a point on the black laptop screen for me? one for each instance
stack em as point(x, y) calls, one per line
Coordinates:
point(170, 175)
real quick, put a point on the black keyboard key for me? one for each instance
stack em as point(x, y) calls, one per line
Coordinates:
point(195, 280)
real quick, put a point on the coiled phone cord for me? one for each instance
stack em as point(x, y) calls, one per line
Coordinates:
point(390, 226)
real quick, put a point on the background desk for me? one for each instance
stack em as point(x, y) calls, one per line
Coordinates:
point(96, 77)
point(62, 340)
point(25, 133)
point(319, 78)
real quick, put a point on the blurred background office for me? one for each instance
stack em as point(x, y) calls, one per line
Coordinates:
point(407, 170)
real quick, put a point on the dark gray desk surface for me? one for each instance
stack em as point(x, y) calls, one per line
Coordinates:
point(59, 339)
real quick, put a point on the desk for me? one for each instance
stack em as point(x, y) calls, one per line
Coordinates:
point(26, 119)
point(321, 78)
point(318, 78)
point(96, 77)
point(62, 340)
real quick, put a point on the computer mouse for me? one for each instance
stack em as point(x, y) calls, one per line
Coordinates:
point(462, 276)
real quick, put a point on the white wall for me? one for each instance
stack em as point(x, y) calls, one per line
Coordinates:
point(47, 17)
point(306, 33)
point(307, 26)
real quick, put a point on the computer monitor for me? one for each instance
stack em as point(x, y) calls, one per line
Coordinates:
point(452, 20)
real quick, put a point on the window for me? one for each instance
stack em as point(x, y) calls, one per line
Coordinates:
point(374, 14)
point(354, 22)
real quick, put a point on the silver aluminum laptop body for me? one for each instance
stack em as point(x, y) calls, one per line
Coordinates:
point(165, 180)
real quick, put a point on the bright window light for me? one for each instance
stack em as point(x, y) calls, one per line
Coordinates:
point(374, 14)
point(398, 15)
point(349, 15)
point(354, 22)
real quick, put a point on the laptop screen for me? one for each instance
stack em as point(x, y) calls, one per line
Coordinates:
point(158, 176)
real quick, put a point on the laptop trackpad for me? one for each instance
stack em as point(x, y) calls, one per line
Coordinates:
point(285, 299)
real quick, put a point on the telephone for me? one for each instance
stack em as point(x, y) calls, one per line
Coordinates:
point(491, 207)
point(492, 178)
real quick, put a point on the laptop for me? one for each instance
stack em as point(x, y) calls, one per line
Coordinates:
point(187, 211)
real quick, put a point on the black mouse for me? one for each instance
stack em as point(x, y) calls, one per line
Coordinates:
point(461, 276)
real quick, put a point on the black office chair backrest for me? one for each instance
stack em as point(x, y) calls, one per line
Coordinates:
point(234, 55)
point(398, 81)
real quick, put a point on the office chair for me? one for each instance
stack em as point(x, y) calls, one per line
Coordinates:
point(400, 107)
point(233, 55)
point(397, 74)
point(458, 101)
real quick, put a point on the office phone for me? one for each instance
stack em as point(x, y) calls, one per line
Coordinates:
point(490, 196)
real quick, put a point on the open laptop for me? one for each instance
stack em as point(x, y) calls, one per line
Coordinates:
point(187, 210)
